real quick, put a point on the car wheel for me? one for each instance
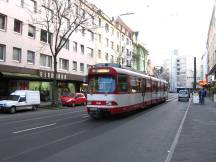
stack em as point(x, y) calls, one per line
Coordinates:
point(13, 110)
point(34, 107)
point(73, 104)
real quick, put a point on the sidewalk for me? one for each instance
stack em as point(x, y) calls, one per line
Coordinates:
point(197, 142)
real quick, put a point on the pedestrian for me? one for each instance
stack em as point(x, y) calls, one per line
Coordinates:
point(202, 94)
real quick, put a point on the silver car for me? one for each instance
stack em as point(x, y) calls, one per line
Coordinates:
point(183, 95)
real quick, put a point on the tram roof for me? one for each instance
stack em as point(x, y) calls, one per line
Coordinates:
point(127, 70)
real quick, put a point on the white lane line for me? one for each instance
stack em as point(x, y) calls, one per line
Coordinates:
point(43, 126)
point(175, 141)
point(42, 146)
point(38, 118)
point(85, 116)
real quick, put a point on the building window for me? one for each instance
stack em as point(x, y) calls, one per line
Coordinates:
point(66, 45)
point(83, 31)
point(45, 37)
point(99, 53)
point(17, 26)
point(112, 32)
point(91, 35)
point(99, 22)
point(107, 56)
point(82, 67)
point(31, 5)
point(30, 57)
point(127, 41)
point(118, 48)
point(31, 31)
point(82, 49)
point(99, 37)
point(118, 35)
point(45, 60)
point(17, 54)
point(107, 42)
point(112, 44)
point(3, 20)
point(112, 59)
point(2, 52)
point(75, 46)
point(90, 52)
point(74, 68)
point(63, 64)
point(107, 28)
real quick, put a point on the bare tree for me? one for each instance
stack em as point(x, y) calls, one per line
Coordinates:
point(59, 19)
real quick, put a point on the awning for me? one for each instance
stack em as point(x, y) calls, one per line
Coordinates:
point(19, 75)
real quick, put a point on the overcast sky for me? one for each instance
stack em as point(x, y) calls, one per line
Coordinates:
point(165, 25)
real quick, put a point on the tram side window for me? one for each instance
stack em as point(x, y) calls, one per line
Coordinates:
point(133, 84)
point(122, 83)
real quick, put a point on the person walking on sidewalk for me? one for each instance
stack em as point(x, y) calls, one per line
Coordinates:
point(202, 94)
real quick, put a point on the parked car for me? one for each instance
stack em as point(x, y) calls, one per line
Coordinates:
point(72, 100)
point(20, 100)
point(183, 95)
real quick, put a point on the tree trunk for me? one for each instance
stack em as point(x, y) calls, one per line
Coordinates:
point(55, 94)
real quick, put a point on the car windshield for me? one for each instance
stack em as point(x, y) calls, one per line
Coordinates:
point(102, 84)
point(183, 92)
point(13, 97)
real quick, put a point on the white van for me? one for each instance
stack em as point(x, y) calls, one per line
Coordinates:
point(20, 100)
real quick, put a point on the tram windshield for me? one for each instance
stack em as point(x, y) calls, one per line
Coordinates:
point(101, 84)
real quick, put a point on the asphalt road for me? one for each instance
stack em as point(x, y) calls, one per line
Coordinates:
point(70, 135)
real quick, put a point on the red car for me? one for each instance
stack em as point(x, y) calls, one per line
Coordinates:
point(78, 99)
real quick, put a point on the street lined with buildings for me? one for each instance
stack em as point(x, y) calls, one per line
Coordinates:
point(70, 135)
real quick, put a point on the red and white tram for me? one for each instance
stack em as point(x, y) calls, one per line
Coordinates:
point(113, 90)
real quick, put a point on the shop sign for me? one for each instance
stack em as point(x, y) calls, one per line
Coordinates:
point(50, 75)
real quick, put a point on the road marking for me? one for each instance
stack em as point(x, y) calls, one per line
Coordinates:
point(175, 141)
point(43, 126)
point(38, 118)
point(42, 146)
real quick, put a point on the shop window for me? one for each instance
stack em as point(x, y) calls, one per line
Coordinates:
point(45, 61)
point(17, 54)
point(64, 64)
point(31, 31)
point(122, 83)
point(2, 52)
point(74, 66)
point(17, 26)
point(3, 20)
point(30, 57)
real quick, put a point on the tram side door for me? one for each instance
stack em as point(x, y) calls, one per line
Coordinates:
point(143, 91)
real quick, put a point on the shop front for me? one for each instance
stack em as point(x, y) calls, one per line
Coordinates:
point(11, 79)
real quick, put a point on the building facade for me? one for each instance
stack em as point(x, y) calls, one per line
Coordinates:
point(211, 48)
point(25, 58)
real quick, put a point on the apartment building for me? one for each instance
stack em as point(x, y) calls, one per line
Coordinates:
point(25, 58)
point(211, 48)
